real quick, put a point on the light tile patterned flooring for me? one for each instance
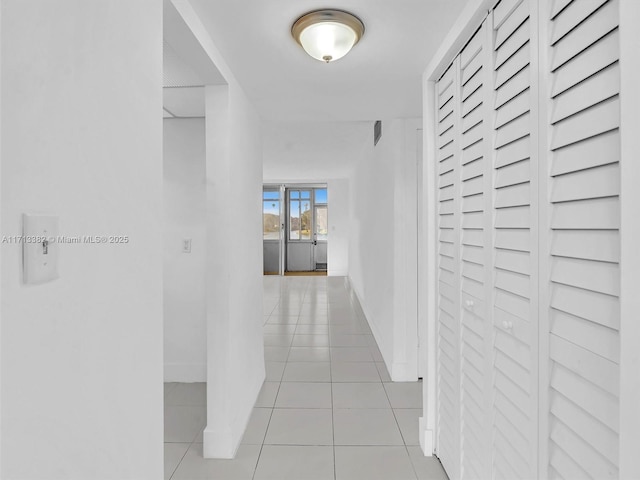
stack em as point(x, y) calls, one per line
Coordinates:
point(327, 410)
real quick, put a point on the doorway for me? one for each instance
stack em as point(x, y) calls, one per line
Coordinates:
point(295, 229)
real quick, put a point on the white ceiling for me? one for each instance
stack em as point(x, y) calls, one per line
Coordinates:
point(380, 78)
point(186, 67)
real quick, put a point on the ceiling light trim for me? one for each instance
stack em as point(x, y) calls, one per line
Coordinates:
point(334, 16)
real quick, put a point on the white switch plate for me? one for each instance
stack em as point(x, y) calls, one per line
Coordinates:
point(39, 248)
point(186, 245)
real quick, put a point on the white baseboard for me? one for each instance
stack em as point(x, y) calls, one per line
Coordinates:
point(337, 273)
point(185, 372)
point(219, 443)
point(426, 438)
point(397, 371)
point(223, 441)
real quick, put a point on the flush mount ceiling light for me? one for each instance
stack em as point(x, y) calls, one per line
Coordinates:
point(327, 35)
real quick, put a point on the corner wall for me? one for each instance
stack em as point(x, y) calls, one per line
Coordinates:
point(382, 243)
point(235, 367)
point(233, 257)
point(81, 139)
point(185, 316)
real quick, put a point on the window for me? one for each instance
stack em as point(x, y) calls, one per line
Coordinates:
point(271, 215)
point(320, 196)
point(300, 215)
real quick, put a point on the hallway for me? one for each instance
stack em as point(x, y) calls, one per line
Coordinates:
point(327, 409)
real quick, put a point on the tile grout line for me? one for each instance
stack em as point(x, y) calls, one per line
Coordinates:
point(333, 418)
point(255, 468)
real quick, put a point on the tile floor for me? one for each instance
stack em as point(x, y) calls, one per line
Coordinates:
point(327, 410)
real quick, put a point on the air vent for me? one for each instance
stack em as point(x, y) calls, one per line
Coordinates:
point(377, 132)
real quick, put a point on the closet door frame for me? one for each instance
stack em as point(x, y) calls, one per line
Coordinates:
point(630, 227)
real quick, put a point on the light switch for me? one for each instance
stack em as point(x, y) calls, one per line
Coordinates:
point(39, 248)
point(186, 245)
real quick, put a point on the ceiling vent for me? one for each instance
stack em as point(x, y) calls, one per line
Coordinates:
point(377, 132)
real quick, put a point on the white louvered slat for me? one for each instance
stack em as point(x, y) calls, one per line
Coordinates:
point(511, 22)
point(592, 152)
point(587, 214)
point(517, 84)
point(599, 404)
point(593, 306)
point(602, 341)
point(593, 90)
point(596, 276)
point(471, 153)
point(585, 34)
point(513, 152)
point(502, 11)
point(473, 118)
point(515, 329)
point(448, 130)
point(558, 6)
point(514, 108)
point(585, 363)
point(596, 434)
point(472, 85)
point(592, 461)
point(513, 239)
point(600, 55)
point(509, 302)
point(598, 245)
point(563, 466)
point(513, 196)
point(473, 379)
point(513, 64)
point(575, 13)
point(514, 217)
point(584, 247)
point(603, 181)
point(513, 174)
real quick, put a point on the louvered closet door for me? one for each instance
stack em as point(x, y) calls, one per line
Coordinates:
point(475, 251)
point(515, 319)
point(448, 272)
point(584, 220)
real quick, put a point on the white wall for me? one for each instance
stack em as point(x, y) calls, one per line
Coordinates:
point(382, 243)
point(81, 139)
point(234, 267)
point(338, 239)
point(235, 361)
point(185, 321)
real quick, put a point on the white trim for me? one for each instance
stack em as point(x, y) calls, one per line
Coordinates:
point(422, 285)
point(222, 441)
point(489, 250)
point(544, 231)
point(630, 236)
point(534, 254)
point(1, 159)
point(192, 20)
point(426, 438)
point(462, 30)
point(399, 371)
point(428, 248)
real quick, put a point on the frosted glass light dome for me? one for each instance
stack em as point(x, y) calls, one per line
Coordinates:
point(327, 35)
